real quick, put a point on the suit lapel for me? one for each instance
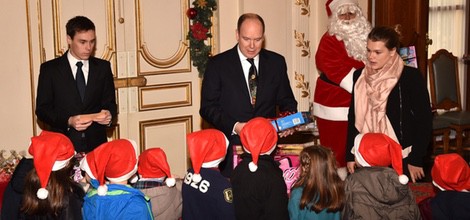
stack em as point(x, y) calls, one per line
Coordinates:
point(238, 74)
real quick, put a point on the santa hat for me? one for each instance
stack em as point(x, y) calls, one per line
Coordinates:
point(51, 152)
point(153, 164)
point(207, 148)
point(258, 137)
point(116, 160)
point(451, 172)
point(333, 5)
point(377, 149)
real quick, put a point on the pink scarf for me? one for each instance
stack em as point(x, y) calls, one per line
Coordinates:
point(371, 94)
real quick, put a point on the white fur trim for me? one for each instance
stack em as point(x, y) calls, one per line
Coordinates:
point(152, 179)
point(197, 178)
point(214, 163)
point(437, 185)
point(170, 182)
point(337, 3)
point(42, 193)
point(84, 166)
point(252, 166)
point(59, 164)
point(124, 177)
point(347, 82)
point(355, 150)
point(330, 113)
point(403, 179)
point(102, 190)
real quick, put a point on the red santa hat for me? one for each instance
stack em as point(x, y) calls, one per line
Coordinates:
point(258, 137)
point(51, 152)
point(115, 160)
point(207, 148)
point(451, 172)
point(153, 164)
point(333, 5)
point(377, 149)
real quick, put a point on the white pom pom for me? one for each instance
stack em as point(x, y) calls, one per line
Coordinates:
point(42, 193)
point(170, 182)
point(197, 178)
point(253, 167)
point(102, 190)
point(403, 179)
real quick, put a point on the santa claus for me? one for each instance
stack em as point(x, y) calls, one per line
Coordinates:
point(341, 51)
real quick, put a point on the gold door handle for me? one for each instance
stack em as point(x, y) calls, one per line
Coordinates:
point(428, 41)
point(138, 81)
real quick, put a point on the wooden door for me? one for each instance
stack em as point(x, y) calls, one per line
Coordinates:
point(157, 89)
point(412, 18)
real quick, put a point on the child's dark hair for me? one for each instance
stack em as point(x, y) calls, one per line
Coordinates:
point(78, 24)
point(59, 185)
point(322, 187)
point(388, 35)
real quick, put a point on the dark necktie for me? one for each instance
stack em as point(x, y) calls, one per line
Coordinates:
point(80, 79)
point(252, 80)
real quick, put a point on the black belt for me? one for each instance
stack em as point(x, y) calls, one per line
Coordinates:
point(324, 78)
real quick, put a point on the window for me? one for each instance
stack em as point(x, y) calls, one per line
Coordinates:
point(447, 24)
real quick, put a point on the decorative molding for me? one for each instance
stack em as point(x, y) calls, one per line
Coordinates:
point(138, 81)
point(301, 84)
point(301, 42)
point(113, 132)
point(109, 48)
point(187, 120)
point(304, 7)
point(183, 101)
point(32, 77)
point(144, 51)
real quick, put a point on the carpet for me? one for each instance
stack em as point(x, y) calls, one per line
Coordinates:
point(422, 190)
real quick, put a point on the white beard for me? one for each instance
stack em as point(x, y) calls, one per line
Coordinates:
point(354, 35)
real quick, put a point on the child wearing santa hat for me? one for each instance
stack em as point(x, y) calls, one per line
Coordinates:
point(451, 174)
point(207, 194)
point(259, 189)
point(157, 183)
point(49, 191)
point(115, 161)
point(374, 190)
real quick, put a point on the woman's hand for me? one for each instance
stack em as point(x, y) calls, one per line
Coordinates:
point(416, 173)
point(351, 166)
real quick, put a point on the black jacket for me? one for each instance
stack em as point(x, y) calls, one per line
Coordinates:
point(261, 194)
point(409, 112)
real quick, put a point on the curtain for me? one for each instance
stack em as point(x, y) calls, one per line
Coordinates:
point(447, 31)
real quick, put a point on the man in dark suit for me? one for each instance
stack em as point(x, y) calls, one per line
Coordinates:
point(227, 100)
point(83, 108)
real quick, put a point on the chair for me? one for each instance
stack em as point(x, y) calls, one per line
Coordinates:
point(440, 133)
point(445, 96)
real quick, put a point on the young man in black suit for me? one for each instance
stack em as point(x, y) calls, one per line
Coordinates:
point(228, 100)
point(75, 93)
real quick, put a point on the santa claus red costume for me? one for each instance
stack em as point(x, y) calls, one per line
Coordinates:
point(341, 51)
